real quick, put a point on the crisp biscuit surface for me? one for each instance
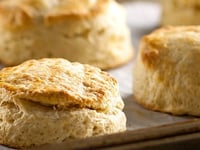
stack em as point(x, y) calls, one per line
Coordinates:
point(87, 31)
point(79, 85)
point(52, 100)
point(166, 73)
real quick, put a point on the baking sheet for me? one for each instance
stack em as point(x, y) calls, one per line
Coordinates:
point(140, 22)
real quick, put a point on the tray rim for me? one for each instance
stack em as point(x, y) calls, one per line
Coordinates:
point(179, 131)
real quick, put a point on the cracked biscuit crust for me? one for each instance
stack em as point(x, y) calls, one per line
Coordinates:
point(61, 83)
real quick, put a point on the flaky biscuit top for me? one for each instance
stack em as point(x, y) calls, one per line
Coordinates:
point(59, 83)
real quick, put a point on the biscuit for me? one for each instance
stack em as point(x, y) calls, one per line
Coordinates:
point(166, 72)
point(88, 31)
point(52, 100)
point(180, 12)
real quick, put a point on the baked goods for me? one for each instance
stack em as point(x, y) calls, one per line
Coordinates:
point(166, 73)
point(180, 12)
point(87, 31)
point(51, 100)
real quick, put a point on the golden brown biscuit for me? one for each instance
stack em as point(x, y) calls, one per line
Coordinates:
point(166, 73)
point(51, 100)
point(87, 31)
point(180, 12)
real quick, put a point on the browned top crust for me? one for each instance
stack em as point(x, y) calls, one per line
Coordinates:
point(62, 84)
point(169, 38)
point(21, 13)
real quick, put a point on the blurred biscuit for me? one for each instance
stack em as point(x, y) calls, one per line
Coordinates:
point(87, 31)
point(180, 12)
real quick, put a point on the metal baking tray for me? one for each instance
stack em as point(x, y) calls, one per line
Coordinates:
point(144, 127)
